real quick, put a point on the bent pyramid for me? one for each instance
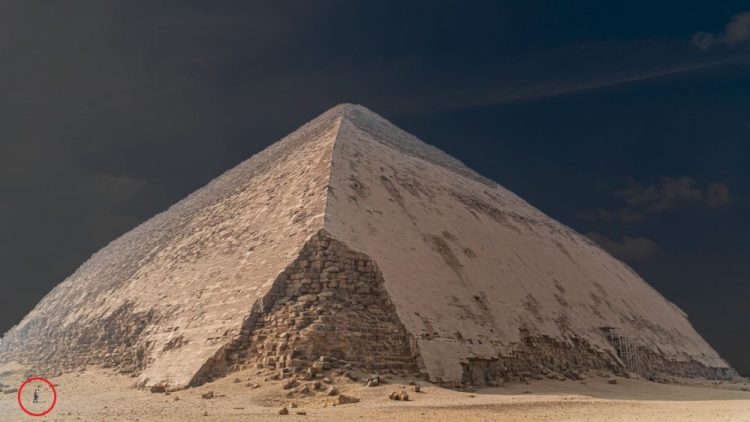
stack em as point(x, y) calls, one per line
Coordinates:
point(353, 242)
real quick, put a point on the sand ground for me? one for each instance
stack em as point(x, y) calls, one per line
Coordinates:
point(100, 395)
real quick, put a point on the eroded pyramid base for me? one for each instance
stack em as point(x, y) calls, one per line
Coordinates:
point(542, 357)
point(329, 308)
point(115, 341)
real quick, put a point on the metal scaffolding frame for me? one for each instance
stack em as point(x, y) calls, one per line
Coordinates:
point(628, 352)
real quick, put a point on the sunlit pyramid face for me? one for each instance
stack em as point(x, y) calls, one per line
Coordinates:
point(351, 243)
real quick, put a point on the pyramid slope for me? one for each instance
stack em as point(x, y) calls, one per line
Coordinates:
point(467, 273)
point(167, 296)
point(472, 268)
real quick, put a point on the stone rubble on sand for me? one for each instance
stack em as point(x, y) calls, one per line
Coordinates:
point(400, 395)
point(345, 399)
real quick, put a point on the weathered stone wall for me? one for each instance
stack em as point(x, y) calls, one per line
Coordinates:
point(328, 308)
point(656, 366)
point(114, 341)
point(539, 357)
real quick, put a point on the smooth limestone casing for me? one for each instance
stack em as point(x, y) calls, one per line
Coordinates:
point(198, 267)
point(468, 265)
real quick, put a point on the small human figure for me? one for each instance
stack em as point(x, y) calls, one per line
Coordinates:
point(36, 395)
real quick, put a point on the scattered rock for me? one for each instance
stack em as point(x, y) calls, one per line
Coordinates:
point(372, 383)
point(400, 395)
point(11, 391)
point(526, 392)
point(252, 385)
point(327, 380)
point(352, 376)
point(332, 391)
point(612, 381)
point(344, 399)
point(417, 389)
point(175, 398)
point(205, 413)
point(380, 380)
point(157, 389)
point(301, 412)
point(317, 385)
point(290, 383)
point(744, 389)
point(293, 405)
point(305, 389)
point(126, 369)
point(237, 381)
point(208, 395)
point(284, 411)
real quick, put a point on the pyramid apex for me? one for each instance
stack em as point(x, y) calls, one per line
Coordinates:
point(344, 107)
point(353, 111)
point(387, 133)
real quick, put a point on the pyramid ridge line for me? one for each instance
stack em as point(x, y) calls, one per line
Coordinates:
point(393, 136)
point(328, 188)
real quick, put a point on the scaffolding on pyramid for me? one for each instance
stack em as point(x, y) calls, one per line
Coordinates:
point(628, 352)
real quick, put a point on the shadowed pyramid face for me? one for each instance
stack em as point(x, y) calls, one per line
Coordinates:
point(353, 241)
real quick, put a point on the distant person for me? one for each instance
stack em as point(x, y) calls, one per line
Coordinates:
point(36, 395)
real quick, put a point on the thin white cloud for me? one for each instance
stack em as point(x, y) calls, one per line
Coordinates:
point(642, 201)
point(736, 32)
point(671, 192)
point(542, 91)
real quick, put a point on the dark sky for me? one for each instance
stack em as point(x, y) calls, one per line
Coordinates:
point(628, 121)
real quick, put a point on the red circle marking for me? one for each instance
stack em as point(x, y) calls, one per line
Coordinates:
point(54, 396)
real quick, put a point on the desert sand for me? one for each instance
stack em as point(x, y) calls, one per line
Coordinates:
point(101, 395)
